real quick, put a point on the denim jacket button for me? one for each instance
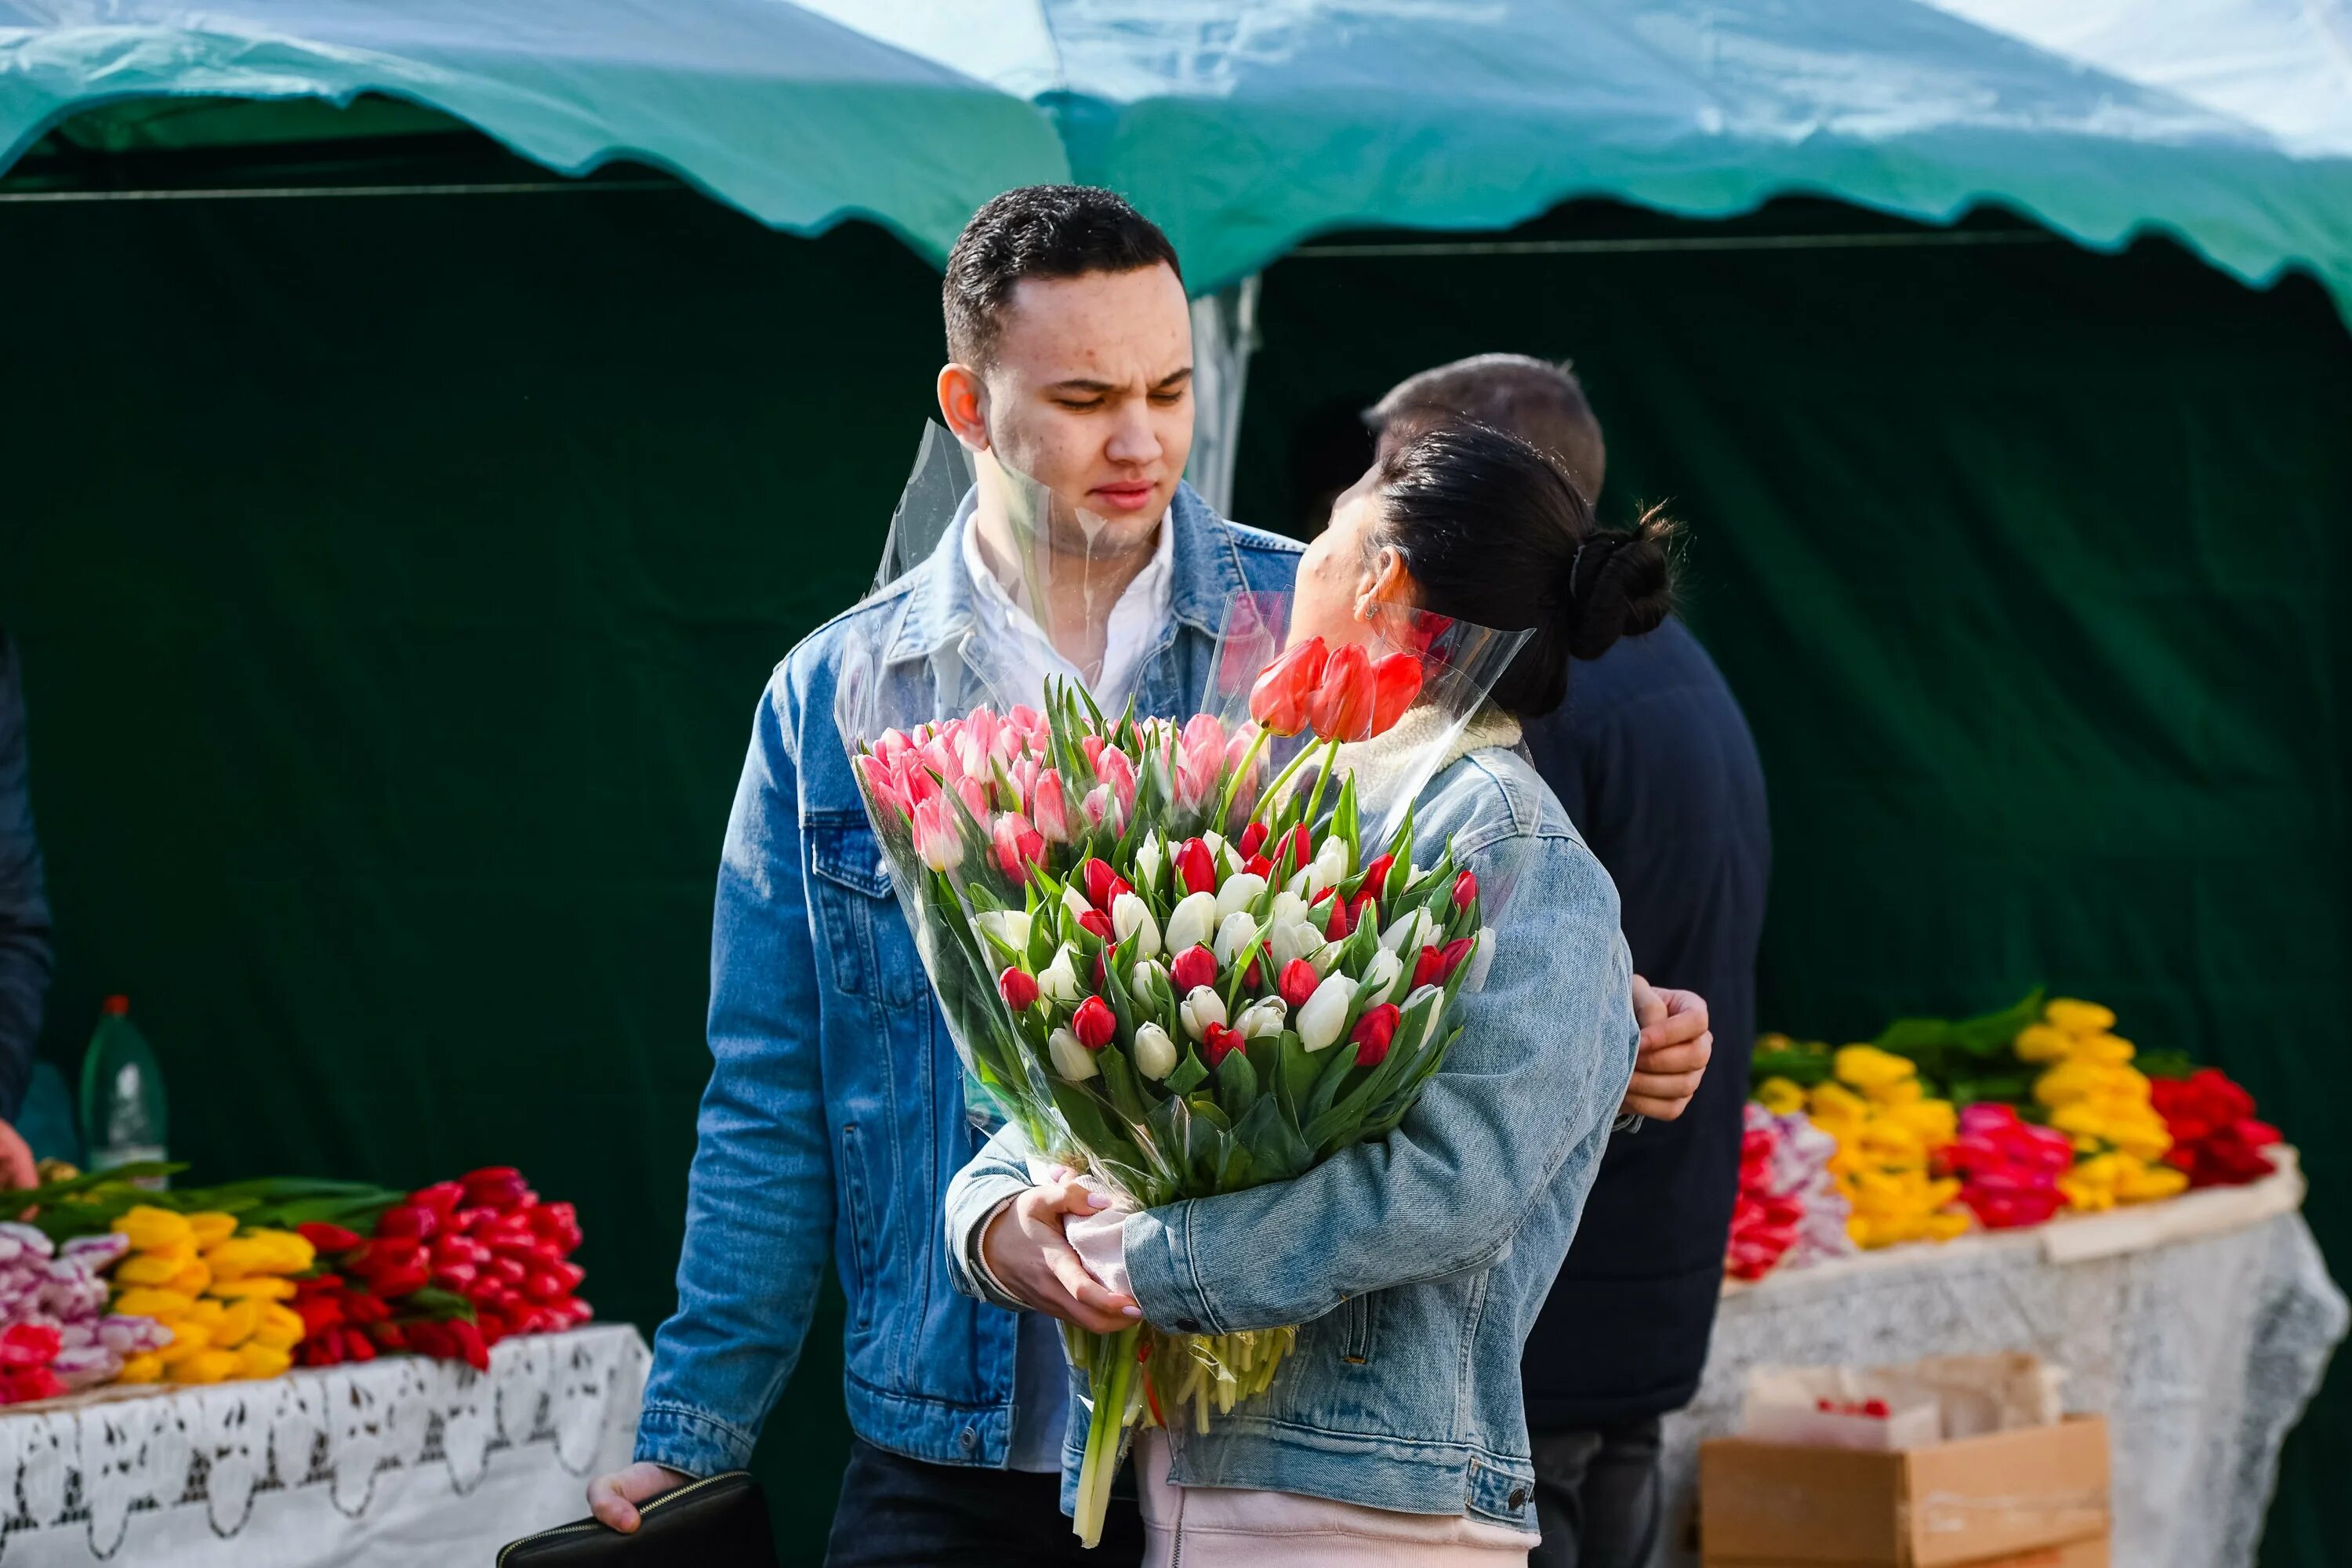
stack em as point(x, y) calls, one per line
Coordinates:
point(969, 1438)
point(1519, 1498)
point(1188, 1325)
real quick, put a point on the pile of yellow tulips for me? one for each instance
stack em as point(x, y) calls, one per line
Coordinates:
point(1887, 1132)
point(222, 1294)
point(2100, 1101)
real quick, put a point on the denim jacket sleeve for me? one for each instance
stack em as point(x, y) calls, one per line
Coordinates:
point(1546, 1051)
point(24, 906)
point(1000, 1171)
point(760, 1194)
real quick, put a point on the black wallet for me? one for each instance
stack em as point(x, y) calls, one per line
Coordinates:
point(722, 1520)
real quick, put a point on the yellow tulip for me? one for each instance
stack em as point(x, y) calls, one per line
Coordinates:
point(146, 1367)
point(2077, 1017)
point(280, 1328)
point(236, 1324)
point(254, 1288)
point(2042, 1042)
point(147, 1301)
point(259, 1360)
point(204, 1366)
point(150, 1227)
point(191, 1281)
point(189, 1338)
point(1781, 1096)
point(1867, 1066)
point(210, 1226)
point(158, 1268)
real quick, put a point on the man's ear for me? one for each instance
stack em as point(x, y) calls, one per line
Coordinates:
point(1383, 581)
point(963, 403)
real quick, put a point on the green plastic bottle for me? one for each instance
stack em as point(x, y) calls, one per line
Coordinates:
point(123, 1109)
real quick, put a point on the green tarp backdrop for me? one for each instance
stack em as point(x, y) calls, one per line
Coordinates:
point(395, 580)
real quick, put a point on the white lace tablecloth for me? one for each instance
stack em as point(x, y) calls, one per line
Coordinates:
point(398, 1461)
point(2198, 1327)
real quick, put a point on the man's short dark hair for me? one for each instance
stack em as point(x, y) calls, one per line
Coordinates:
point(1039, 231)
point(1541, 403)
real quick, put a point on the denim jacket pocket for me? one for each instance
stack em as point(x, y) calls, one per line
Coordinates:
point(857, 1211)
point(1353, 1318)
point(851, 890)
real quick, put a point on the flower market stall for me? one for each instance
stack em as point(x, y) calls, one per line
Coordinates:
point(290, 1371)
point(2019, 1182)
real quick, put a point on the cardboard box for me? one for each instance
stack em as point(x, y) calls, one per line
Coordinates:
point(2032, 1497)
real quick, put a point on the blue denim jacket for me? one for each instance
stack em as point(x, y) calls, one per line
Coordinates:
point(1416, 1265)
point(834, 1114)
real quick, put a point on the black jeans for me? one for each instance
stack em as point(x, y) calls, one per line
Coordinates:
point(896, 1513)
point(1597, 1495)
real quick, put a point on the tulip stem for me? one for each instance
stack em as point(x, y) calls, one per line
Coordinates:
point(1111, 1374)
point(1234, 785)
point(1315, 801)
point(1274, 790)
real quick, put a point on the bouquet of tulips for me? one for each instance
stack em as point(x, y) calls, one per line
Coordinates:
point(1180, 960)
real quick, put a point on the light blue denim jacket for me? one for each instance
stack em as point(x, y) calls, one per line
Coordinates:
point(1416, 1265)
point(834, 1114)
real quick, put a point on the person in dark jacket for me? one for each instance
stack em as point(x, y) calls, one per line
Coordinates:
point(24, 925)
point(1654, 760)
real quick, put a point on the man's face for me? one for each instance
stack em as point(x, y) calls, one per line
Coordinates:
point(1091, 394)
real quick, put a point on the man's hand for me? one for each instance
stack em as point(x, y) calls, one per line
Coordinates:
point(613, 1498)
point(17, 1172)
point(1023, 1246)
point(1673, 1057)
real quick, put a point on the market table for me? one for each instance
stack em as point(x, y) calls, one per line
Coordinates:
point(2199, 1326)
point(400, 1460)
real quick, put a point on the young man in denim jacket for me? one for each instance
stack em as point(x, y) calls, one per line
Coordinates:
point(835, 1117)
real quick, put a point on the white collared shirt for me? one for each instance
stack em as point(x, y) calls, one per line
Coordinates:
point(1132, 632)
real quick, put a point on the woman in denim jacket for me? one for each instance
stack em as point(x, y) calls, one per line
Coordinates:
point(1415, 1266)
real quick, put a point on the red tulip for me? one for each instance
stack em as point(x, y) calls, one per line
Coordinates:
point(1094, 1023)
point(1104, 885)
point(1298, 982)
point(1050, 807)
point(1097, 922)
point(1452, 955)
point(1259, 866)
point(1252, 839)
point(441, 1197)
point(1019, 847)
point(326, 1238)
point(1278, 702)
point(1396, 682)
point(1194, 967)
point(1222, 1042)
point(1372, 1034)
point(1376, 873)
point(1197, 866)
point(1019, 989)
point(408, 1220)
point(1466, 889)
point(1347, 914)
point(1296, 848)
point(1428, 967)
point(1341, 706)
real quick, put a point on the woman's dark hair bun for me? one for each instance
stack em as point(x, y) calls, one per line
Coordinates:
point(1620, 584)
point(1495, 532)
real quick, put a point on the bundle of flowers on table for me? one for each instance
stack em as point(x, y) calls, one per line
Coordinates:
point(2011, 1119)
point(1186, 958)
point(111, 1280)
point(1791, 1210)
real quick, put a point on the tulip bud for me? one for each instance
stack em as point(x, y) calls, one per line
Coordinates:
point(1341, 706)
point(1330, 864)
point(1155, 1053)
point(1192, 922)
point(1235, 934)
point(1263, 1018)
point(937, 843)
point(1254, 838)
point(1324, 1014)
point(1010, 926)
point(1372, 1034)
point(1396, 682)
point(1410, 931)
point(1296, 849)
point(1094, 1023)
point(1258, 866)
point(1222, 1042)
point(1195, 868)
point(1292, 942)
point(1059, 979)
point(1102, 809)
point(1097, 923)
point(1150, 856)
point(1018, 988)
point(1297, 983)
point(1194, 967)
point(1201, 1010)
point(1051, 808)
point(1132, 917)
point(1072, 1060)
point(1482, 960)
point(1146, 978)
point(1238, 893)
point(1018, 846)
point(1465, 888)
point(1104, 885)
point(1279, 699)
point(1381, 972)
point(1451, 957)
point(1074, 900)
point(1288, 908)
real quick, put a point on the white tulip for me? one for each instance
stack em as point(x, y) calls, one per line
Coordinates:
point(1428, 1021)
point(1059, 979)
point(1010, 926)
point(1214, 840)
point(1324, 1014)
point(1409, 933)
point(1234, 934)
point(1148, 978)
point(1155, 1053)
point(1381, 972)
point(1294, 941)
point(1201, 1009)
point(1132, 917)
point(1482, 958)
point(1263, 1020)
point(1329, 864)
point(1289, 908)
point(1301, 886)
point(1076, 901)
point(1149, 857)
point(1239, 892)
point(1192, 923)
point(1071, 1059)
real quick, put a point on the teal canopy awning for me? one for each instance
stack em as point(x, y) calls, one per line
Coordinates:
point(1244, 126)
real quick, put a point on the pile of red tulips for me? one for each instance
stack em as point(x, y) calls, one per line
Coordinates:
point(1765, 1221)
point(448, 1272)
point(2215, 1137)
point(2008, 1167)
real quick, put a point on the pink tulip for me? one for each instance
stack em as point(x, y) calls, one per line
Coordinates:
point(938, 842)
point(1019, 847)
point(1102, 809)
point(1024, 718)
point(1112, 766)
point(1051, 807)
point(882, 785)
